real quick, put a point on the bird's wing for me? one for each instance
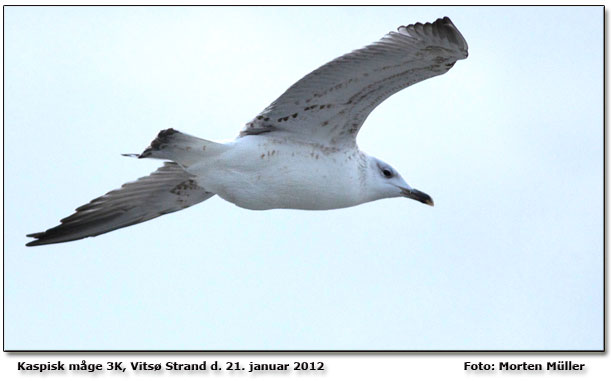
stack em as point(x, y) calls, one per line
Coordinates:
point(166, 190)
point(330, 104)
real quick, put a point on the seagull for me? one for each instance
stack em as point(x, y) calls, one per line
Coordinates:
point(299, 153)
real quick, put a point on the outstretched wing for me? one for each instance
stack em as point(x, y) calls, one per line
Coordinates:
point(329, 105)
point(166, 190)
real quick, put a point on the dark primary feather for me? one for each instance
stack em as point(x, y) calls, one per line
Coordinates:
point(330, 104)
point(166, 190)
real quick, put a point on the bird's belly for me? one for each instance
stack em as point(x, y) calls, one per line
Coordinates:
point(285, 198)
point(262, 192)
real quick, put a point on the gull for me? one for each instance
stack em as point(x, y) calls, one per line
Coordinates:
point(299, 153)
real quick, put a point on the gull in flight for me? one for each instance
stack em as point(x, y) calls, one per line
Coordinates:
point(299, 153)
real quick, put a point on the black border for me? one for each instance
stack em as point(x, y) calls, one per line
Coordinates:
point(604, 88)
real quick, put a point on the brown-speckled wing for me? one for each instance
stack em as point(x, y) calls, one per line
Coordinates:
point(330, 104)
point(166, 190)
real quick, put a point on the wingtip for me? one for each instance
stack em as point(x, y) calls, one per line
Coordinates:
point(453, 34)
point(36, 242)
point(442, 28)
point(36, 237)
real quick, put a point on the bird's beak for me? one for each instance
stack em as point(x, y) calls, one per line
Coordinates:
point(417, 195)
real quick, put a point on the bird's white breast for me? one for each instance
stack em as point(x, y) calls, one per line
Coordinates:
point(265, 173)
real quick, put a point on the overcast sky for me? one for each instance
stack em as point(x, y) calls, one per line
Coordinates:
point(509, 144)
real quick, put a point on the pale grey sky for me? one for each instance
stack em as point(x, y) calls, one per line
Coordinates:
point(508, 143)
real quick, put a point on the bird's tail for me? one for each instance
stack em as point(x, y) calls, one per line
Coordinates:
point(181, 148)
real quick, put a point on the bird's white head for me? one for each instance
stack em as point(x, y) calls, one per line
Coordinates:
point(383, 181)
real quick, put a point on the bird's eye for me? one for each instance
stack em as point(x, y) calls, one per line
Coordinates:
point(387, 173)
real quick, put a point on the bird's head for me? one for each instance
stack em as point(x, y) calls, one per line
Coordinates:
point(385, 182)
